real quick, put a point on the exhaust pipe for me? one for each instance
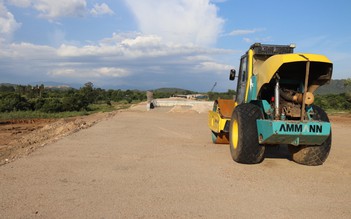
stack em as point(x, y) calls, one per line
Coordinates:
point(276, 98)
point(297, 97)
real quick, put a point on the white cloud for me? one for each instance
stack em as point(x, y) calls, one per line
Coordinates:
point(28, 51)
point(63, 8)
point(131, 46)
point(8, 23)
point(20, 3)
point(63, 72)
point(113, 72)
point(215, 67)
point(142, 41)
point(179, 21)
point(52, 10)
point(240, 32)
point(131, 59)
point(106, 72)
point(101, 9)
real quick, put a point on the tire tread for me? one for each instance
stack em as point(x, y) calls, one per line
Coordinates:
point(313, 155)
point(248, 151)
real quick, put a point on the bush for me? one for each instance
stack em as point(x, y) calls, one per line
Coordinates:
point(52, 106)
point(13, 102)
point(334, 101)
point(230, 94)
point(38, 103)
point(75, 102)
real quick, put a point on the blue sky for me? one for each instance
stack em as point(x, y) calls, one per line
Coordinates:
point(149, 44)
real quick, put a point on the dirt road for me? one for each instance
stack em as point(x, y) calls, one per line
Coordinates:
point(162, 164)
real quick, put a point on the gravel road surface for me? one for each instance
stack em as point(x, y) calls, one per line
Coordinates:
point(162, 164)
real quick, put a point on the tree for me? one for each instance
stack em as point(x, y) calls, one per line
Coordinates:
point(41, 90)
point(347, 84)
point(8, 89)
point(13, 102)
point(88, 93)
point(74, 102)
point(52, 106)
point(20, 89)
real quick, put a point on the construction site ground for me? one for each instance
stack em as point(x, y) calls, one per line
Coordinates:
point(160, 164)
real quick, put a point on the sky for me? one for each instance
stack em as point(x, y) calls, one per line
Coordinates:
point(150, 44)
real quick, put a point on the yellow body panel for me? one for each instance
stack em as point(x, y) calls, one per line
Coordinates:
point(216, 122)
point(266, 71)
point(249, 72)
point(223, 111)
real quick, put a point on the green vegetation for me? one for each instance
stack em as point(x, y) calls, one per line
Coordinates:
point(18, 101)
point(330, 102)
point(173, 91)
point(27, 102)
point(37, 114)
point(38, 102)
point(230, 94)
point(335, 87)
point(334, 102)
point(335, 96)
point(94, 108)
point(169, 92)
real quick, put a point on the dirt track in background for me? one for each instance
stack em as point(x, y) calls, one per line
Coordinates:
point(162, 164)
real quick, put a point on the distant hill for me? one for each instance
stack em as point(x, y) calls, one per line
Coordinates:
point(52, 86)
point(8, 84)
point(56, 85)
point(60, 87)
point(174, 90)
point(334, 87)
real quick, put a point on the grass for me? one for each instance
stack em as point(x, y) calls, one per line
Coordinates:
point(109, 108)
point(338, 112)
point(38, 115)
point(93, 108)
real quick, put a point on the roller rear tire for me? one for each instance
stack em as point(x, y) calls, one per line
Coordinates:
point(243, 136)
point(313, 155)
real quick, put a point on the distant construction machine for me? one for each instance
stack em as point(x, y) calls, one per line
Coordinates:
point(274, 106)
